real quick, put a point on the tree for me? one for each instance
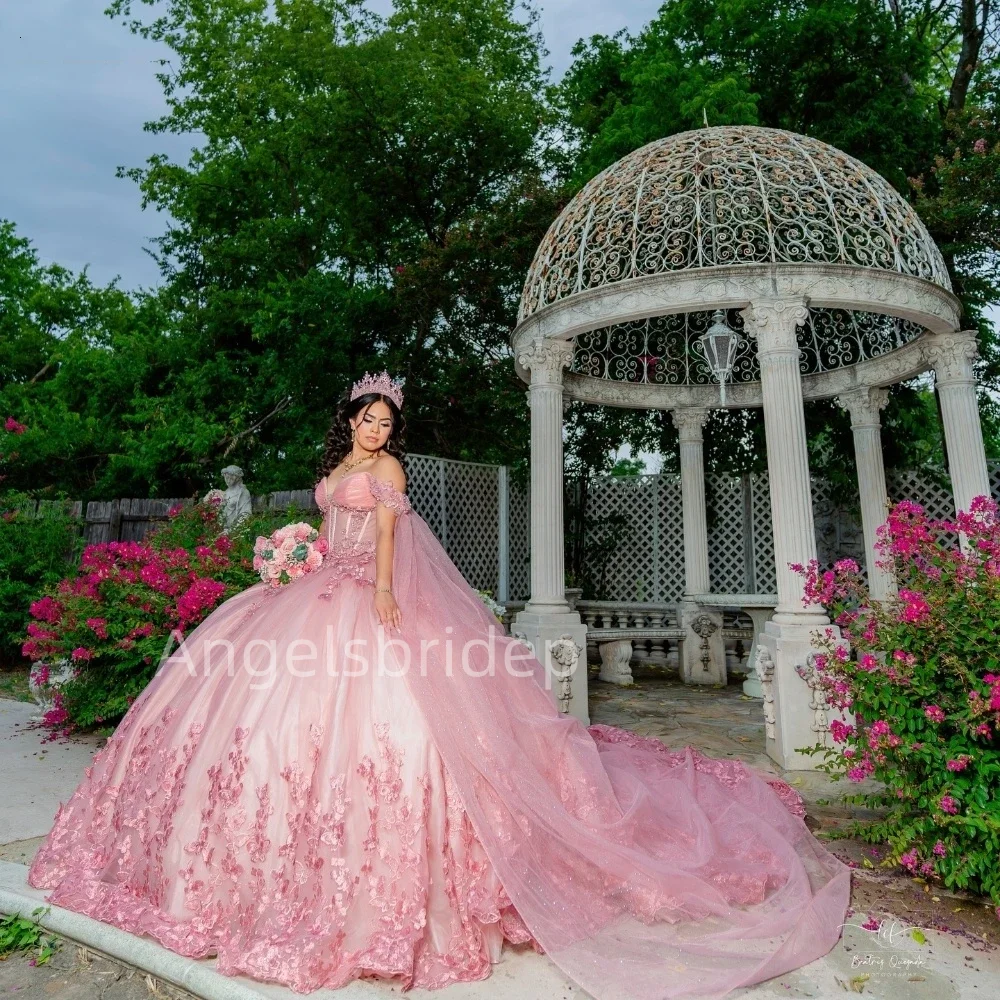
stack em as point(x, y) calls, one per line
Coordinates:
point(367, 189)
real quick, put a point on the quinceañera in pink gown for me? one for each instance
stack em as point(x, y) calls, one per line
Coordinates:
point(351, 801)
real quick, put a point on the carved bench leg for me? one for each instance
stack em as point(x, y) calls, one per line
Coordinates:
point(615, 657)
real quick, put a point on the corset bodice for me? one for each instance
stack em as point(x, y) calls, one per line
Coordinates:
point(349, 523)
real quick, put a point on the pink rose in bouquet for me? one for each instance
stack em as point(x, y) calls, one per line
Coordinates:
point(288, 554)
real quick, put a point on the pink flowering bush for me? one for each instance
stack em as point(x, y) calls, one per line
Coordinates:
point(113, 618)
point(35, 546)
point(921, 676)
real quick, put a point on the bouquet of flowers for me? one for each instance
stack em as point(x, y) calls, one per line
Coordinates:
point(289, 553)
point(486, 597)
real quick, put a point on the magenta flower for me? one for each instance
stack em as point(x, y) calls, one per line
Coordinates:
point(948, 804)
point(939, 849)
point(871, 924)
point(47, 609)
point(840, 732)
point(100, 627)
point(979, 146)
point(14, 427)
point(909, 859)
point(915, 609)
point(81, 653)
point(934, 713)
point(960, 763)
point(868, 663)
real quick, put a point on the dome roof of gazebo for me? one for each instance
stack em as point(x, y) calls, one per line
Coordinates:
point(724, 196)
point(633, 270)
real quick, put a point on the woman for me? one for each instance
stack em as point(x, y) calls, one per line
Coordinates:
point(359, 774)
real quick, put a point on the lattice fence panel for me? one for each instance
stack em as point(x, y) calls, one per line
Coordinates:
point(763, 534)
point(520, 542)
point(669, 539)
point(726, 553)
point(621, 560)
point(472, 510)
point(423, 486)
point(933, 493)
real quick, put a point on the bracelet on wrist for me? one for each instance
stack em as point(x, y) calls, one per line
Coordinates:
point(383, 590)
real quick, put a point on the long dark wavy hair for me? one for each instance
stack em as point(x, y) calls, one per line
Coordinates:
point(339, 438)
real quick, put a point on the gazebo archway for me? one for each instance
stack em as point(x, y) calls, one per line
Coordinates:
point(830, 286)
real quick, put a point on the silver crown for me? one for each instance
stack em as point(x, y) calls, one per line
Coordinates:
point(379, 383)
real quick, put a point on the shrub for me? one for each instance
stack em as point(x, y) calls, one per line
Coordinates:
point(130, 603)
point(35, 549)
point(921, 674)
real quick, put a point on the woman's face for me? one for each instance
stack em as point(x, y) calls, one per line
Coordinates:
point(373, 425)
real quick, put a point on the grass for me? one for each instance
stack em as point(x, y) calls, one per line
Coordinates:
point(14, 683)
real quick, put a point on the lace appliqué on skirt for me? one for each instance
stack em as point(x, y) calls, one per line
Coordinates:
point(277, 897)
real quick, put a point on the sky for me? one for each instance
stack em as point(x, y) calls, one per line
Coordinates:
point(75, 91)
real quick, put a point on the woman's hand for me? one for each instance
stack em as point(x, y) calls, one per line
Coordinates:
point(387, 609)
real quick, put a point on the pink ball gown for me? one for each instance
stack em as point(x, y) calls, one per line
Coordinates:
point(301, 794)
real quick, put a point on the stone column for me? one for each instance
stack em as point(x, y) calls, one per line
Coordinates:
point(689, 424)
point(865, 405)
point(772, 323)
point(793, 716)
point(951, 356)
point(546, 359)
point(555, 633)
point(703, 657)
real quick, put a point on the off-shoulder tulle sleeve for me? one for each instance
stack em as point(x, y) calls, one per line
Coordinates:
point(387, 494)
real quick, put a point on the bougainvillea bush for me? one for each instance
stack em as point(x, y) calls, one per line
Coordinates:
point(127, 604)
point(35, 548)
point(920, 674)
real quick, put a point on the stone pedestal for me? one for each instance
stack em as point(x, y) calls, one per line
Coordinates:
point(703, 660)
point(796, 714)
point(560, 644)
point(760, 618)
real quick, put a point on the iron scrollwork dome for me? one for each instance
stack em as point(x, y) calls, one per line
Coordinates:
point(728, 195)
point(632, 268)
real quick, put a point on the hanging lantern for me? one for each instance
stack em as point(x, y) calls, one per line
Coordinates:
point(719, 344)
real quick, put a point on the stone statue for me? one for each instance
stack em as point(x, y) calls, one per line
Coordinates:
point(235, 502)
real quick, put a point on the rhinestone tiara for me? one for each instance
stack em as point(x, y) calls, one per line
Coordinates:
point(382, 384)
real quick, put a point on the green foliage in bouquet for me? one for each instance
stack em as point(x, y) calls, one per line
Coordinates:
point(130, 603)
point(921, 675)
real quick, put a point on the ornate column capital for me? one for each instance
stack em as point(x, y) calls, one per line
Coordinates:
point(546, 359)
point(951, 355)
point(689, 422)
point(864, 405)
point(772, 322)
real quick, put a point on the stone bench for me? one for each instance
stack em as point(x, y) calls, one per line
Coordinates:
point(615, 647)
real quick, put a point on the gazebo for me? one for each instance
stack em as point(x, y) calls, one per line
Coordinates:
point(737, 267)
